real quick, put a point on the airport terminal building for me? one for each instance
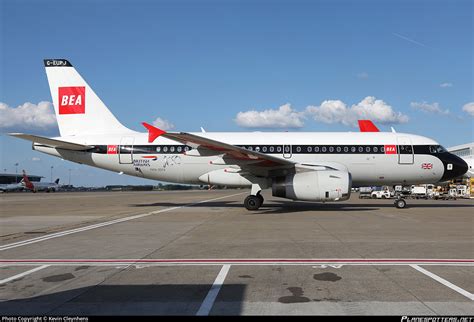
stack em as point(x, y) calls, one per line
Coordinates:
point(9, 178)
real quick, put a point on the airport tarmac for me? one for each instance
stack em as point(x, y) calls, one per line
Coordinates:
point(202, 252)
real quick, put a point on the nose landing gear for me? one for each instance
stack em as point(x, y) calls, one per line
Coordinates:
point(400, 203)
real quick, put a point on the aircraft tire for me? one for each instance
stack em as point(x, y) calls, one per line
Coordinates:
point(252, 202)
point(400, 203)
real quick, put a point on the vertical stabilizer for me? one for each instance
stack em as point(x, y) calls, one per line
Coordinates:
point(79, 111)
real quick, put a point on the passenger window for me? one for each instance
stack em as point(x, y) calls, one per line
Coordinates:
point(316, 149)
point(376, 149)
point(172, 149)
point(165, 149)
point(179, 149)
point(323, 149)
point(433, 149)
point(158, 148)
point(257, 149)
point(186, 148)
point(287, 149)
point(331, 149)
point(353, 149)
point(346, 149)
point(361, 149)
point(279, 149)
point(298, 149)
point(310, 149)
point(367, 149)
point(264, 149)
point(272, 149)
point(338, 149)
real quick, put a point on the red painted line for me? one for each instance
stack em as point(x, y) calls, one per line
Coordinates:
point(237, 260)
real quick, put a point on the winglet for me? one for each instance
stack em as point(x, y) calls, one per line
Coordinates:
point(367, 126)
point(153, 132)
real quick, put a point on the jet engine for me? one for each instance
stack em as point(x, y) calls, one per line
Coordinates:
point(319, 185)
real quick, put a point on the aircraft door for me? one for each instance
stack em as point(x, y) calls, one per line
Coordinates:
point(405, 150)
point(126, 150)
point(287, 151)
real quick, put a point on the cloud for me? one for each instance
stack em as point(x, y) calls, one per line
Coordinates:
point(283, 117)
point(429, 108)
point(446, 85)
point(35, 159)
point(469, 108)
point(27, 116)
point(163, 124)
point(363, 75)
point(336, 111)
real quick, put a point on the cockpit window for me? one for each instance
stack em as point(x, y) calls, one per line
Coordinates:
point(437, 149)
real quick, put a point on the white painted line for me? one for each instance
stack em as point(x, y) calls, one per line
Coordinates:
point(6, 280)
point(444, 282)
point(107, 223)
point(323, 262)
point(208, 302)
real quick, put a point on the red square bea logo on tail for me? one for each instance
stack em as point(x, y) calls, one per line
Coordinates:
point(390, 149)
point(72, 100)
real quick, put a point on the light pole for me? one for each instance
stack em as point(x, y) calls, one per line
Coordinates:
point(51, 174)
point(16, 172)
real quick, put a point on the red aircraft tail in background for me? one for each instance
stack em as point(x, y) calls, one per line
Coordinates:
point(367, 126)
point(28, 184)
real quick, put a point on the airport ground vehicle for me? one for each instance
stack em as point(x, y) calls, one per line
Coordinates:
point(310, 166)
point(381, 193)
point(365, 192)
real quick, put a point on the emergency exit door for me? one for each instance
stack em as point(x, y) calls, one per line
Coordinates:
point(126, 150)
point(405, 150)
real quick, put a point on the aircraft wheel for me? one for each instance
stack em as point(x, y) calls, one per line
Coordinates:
point(400, 203)
point(252, 202)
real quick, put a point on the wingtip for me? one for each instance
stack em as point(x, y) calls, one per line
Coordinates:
point(153, 132)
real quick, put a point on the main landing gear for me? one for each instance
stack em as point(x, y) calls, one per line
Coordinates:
point(255, 200)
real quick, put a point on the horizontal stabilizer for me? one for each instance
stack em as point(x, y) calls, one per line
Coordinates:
point(58, 144)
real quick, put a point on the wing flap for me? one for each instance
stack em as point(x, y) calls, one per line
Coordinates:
point(58, 144)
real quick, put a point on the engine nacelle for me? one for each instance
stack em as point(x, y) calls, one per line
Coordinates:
point(321, 185)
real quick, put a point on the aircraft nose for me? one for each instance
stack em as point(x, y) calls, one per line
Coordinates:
point(454, 166)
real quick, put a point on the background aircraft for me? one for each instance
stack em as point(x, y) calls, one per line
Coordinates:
point(39, 186)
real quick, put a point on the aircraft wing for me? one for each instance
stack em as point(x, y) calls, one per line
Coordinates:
point(230, 151)
point(58, 144)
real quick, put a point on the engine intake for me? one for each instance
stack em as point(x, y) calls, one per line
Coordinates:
point(321, 185)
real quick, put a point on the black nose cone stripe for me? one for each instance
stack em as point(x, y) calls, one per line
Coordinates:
point(454, 166)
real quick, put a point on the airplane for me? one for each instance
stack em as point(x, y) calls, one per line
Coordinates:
point(307, 166)
point(39, 186)
point(11, 187)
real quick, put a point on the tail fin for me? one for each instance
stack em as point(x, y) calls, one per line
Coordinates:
point(27, 182)
point(56, 181)
point(78, 109)
point(367, 126)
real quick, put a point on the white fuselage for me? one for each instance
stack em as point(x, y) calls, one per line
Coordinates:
point(378, 159)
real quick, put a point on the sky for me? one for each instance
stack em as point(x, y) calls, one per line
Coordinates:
point(238, 66)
